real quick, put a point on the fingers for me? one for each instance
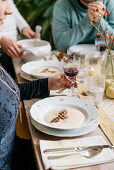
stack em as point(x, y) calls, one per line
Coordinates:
point(19, 45)
point(10, 53)
point(30, 34)
point(61, 82)
point(65, 83)
point(95, 16)
point(15, 51)
point(10, 47)
point(76, 85)
point(90, 15)
point(18, 52)
point(62, 76)
point(97, 5)
point(101, 12)
point(69, 85)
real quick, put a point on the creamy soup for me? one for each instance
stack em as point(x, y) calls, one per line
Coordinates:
point(45, 71)
point(74, 119)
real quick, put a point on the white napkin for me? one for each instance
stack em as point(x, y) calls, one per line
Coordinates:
point(74, 161)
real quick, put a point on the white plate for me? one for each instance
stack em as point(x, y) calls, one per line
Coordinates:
point(28, 67)
point(65, 133)
point(41, 108)
point(27, 76)
point(82, 48)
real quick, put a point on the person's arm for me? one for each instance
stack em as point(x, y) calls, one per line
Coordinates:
point(63, 35)
point(21, 22)
point(34, 89)
point(40, 88)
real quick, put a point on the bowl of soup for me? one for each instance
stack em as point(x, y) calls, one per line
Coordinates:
point(34, 49)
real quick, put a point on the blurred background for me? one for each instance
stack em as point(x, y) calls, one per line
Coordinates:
point(38, 12)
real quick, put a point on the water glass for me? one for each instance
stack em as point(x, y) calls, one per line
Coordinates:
point(95, 84)
point(100, 45)
point(82, 76)
point(94, 58)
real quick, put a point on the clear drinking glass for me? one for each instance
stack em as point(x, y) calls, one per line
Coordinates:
point(100, 45)
point(95, 83)
point(82, 76)
point(71, 68)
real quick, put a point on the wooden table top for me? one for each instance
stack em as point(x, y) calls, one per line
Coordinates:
point(37, 135)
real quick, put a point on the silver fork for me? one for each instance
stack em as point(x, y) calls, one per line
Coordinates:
point(88, 152)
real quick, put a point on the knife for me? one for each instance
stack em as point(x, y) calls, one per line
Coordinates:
point(79, 148)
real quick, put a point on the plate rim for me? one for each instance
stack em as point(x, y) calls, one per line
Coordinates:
point(56, 97)
point(32, 40)
point(84, 48)
point(40, 62)
point(36, 125)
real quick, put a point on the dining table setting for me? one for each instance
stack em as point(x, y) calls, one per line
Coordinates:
point(72, 128)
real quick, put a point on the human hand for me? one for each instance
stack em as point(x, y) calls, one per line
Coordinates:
point(10, 47)
point(29, 33)
point(95, 16)
point(59, 82)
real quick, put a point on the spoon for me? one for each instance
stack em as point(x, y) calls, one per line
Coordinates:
point(38, 29)
point(88, 153)
point(28, 51)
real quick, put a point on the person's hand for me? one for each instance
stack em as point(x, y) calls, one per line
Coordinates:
point(10, 47)
point(29, 33)
point(59, 82)
point(95, 16)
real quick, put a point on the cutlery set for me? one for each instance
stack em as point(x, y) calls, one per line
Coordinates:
point(87, 151)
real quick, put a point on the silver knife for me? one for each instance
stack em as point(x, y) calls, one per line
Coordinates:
point(79, 148)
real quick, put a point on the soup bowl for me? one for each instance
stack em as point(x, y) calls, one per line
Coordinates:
point(35, 49)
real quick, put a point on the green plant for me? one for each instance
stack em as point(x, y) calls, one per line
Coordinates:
point(38, 12)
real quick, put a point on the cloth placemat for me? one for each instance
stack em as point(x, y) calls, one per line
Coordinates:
point(106, 114)
point(76, 160)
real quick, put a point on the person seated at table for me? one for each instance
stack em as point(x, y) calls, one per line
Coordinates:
point(10, 95)
point(9, 33)
point(71, 20)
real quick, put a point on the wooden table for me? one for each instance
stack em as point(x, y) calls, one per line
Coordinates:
point(36, 135)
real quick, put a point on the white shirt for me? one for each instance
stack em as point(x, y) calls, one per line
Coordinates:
point(13, 23)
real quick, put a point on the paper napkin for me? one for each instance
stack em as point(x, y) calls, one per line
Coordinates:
point(74, 161)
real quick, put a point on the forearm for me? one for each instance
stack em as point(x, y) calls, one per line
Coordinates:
point(66, 38)
point(20, 21)
point(34, 89)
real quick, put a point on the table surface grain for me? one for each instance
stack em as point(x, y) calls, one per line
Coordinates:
point(37, 135)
